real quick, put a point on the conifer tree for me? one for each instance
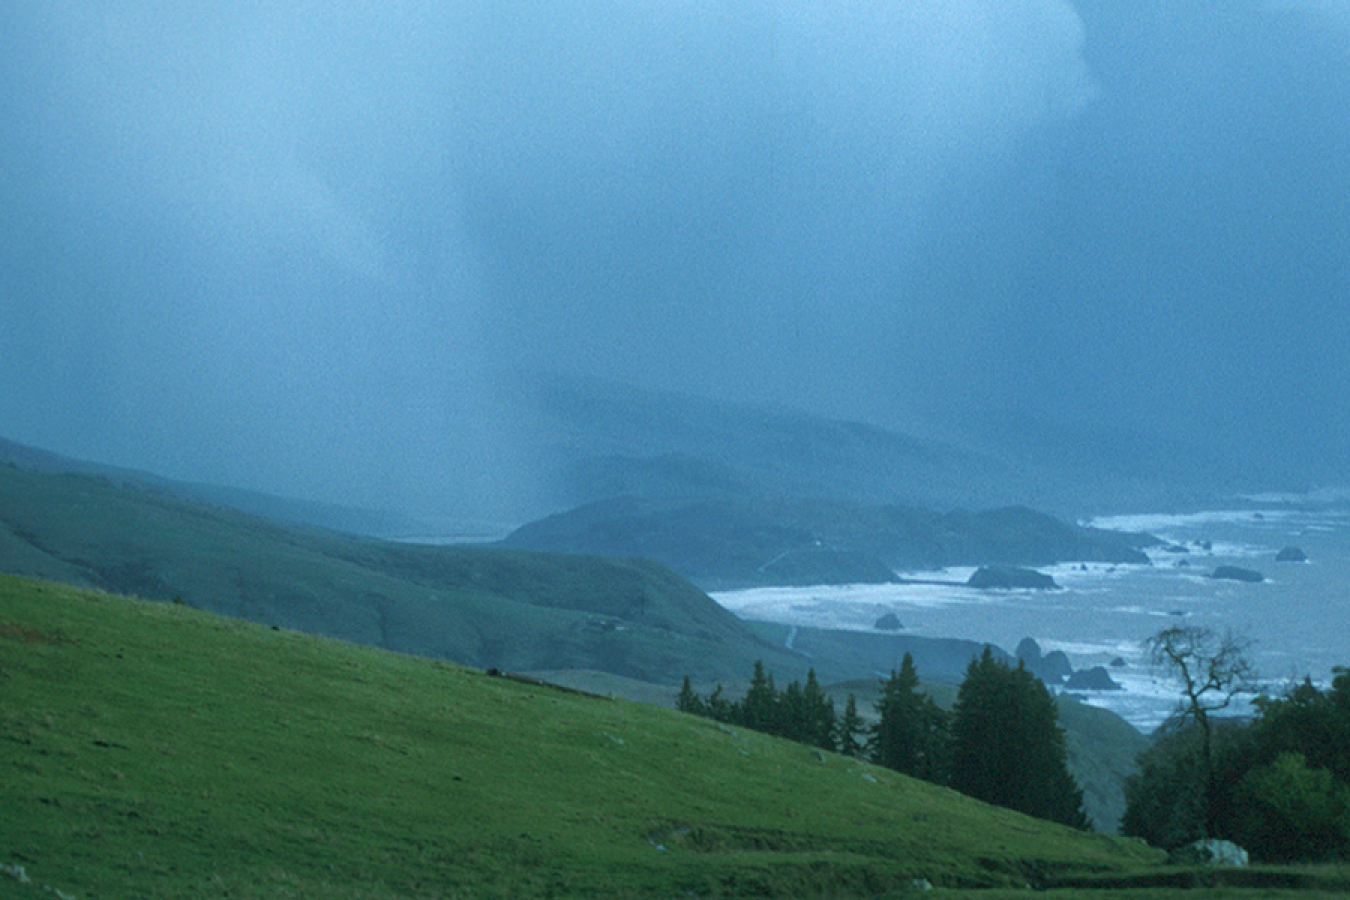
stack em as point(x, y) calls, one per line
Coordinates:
point(910, 736)
point(720, 708)
point(759, 708)
point(818, 713)
point(791, 714)
point(847, 729)
point(690, 702)
point(1007, 746)
point(805, 714)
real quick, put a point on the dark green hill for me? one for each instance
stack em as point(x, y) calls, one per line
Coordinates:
point(481, 607)
point(720, 543)
point(152, 750)
point(939, 660)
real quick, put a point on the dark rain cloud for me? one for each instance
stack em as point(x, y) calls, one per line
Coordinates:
point(308, 247)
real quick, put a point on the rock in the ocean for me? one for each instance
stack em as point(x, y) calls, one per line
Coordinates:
point(1007, 577)
point(1291, 554)
point(1094, 679)
point(1052, 668)
point(1055, 666)
point(888, 622)
point(1236, 573)
point(1029, 652)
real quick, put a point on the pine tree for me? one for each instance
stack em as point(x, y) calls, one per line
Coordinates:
point(910, 735)
point(847, 729)
point(1007, 746)
point(720, 708)
point(817, 714)
point(791, 714)
point(759, 708)
point(690, 702)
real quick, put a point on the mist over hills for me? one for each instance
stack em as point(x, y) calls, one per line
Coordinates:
point(137, 533)
point(817, 290)
point(533, 611)
point(605, 439)
point(594, 440)
point(335, 516)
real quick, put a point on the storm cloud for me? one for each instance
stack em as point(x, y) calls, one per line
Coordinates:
point(313, 248)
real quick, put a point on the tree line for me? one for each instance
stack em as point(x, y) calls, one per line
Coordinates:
point(1001, 742)
point(1277, 783)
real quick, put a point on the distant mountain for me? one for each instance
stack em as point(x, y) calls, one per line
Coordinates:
point(608, 440)
point(746, 542)
point(604, 440)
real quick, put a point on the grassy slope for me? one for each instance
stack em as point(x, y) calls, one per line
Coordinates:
point(513, 610)
point(490, 608)
point(285, 509)
point(521, 611)
point(152, 750)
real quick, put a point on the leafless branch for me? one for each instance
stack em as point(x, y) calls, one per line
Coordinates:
point(1213, 669)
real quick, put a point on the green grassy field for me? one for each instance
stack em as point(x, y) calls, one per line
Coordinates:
point(149, 750)
point(152, 750)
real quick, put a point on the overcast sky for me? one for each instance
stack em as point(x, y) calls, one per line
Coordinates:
point(306, 246)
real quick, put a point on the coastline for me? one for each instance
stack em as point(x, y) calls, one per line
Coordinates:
point(1105, 612)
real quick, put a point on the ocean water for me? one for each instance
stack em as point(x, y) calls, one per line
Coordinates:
point(1298, 619)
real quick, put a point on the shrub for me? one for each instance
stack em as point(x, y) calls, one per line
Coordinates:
point(1286, 811)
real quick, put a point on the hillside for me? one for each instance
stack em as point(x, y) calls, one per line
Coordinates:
point(480, 607)
point(727, 543)
point(509, 609)
point(634, 626)
point(149, 749)
point(610, 439)
point(626, 627)
point(282, 509)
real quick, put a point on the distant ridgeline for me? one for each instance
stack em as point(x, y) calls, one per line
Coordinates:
point(721, 544)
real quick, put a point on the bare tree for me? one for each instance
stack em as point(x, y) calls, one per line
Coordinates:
point(1213, 671)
